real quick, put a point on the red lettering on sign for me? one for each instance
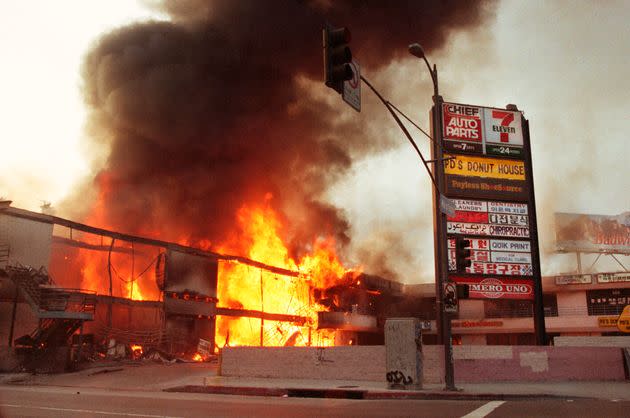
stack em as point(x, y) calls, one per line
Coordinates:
point(506, 119)
point(465, 216)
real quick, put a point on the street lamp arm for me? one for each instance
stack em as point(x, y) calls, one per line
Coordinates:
point(389, 106)
point(432, 71)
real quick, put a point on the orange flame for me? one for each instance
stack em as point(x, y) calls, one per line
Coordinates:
point(124, 268)
point(244, 287)
point(128, 269)
point(239, 286)
point(136, 351)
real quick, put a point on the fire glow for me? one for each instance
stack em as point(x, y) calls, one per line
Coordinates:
point(257, 236)
point(244, 287)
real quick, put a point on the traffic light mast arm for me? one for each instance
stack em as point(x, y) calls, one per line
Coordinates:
point(389, 106)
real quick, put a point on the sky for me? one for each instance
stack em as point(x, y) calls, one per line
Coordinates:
point(565, 64)
point(43, 114)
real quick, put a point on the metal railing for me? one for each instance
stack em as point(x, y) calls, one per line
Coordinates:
point(4, 253)
point(67, 300)
point(44, 296)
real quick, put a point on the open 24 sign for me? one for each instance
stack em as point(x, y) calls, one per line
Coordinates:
point(503, 132)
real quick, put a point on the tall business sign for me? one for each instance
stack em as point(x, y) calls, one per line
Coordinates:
point(487, 174)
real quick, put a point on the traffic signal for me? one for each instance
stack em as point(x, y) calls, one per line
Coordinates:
point(463, 291)
point(462, 254)
point(337, 57)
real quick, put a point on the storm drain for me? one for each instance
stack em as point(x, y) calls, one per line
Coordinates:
point(325, 393)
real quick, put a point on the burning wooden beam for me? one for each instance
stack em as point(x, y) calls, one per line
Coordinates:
point(299, 320)
point(25, 214)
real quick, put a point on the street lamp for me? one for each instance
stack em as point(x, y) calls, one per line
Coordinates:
point(441, 266)
point(417, 51)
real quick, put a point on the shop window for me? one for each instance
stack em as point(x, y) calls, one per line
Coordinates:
point(607, 301)
point(505, 308)
point(511, 339)
point(550, 304)
point(429, 339)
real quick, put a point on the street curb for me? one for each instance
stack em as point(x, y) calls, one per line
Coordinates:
point(229, 390)
point(11, 378)
point(358, 393)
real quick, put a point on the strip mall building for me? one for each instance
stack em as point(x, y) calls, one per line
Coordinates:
point(574, 305)
point(499, 312)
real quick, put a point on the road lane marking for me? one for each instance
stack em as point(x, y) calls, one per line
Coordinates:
point(91, 411)
point(484, 410)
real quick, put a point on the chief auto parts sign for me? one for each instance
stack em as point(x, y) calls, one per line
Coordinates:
point(463, 128)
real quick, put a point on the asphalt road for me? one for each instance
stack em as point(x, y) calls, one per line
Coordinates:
point(72, 402)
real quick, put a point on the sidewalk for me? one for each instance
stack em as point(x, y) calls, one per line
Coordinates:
point(376, 390)
point(203, 378)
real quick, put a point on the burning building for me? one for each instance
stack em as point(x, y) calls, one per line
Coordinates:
point(152, 294)
point(209, 139)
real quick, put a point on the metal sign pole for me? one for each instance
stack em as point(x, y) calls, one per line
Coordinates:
point(540, 331)
point(441, 248)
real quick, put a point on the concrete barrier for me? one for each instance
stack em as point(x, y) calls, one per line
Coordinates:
point(403, 353)
point(594, 341)
point(337, 363)
point(472, 363)
point(9, 361)
point(538, 363)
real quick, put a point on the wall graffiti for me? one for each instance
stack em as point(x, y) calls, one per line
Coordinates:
point(398, 377)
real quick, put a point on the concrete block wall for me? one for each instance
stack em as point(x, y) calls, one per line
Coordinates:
point(598, 341)
point(25, 321)
point(29, 240)
point(537, 363)
point(338, 363)
point(472, 363)
point(9, 361)
point(572, 303)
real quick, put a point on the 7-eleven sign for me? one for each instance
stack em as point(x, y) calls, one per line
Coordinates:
point(503, 127)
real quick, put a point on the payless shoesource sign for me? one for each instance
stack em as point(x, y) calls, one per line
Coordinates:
point(485, 177)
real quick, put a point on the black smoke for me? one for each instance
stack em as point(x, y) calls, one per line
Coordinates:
point(203, 113)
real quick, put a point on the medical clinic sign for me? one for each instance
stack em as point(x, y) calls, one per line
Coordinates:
point(487, 175)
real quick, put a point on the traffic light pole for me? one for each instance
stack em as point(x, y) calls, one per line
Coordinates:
point(336, 57)
point(443, 319)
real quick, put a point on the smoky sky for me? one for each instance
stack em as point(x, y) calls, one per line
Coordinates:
point(202, 113)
